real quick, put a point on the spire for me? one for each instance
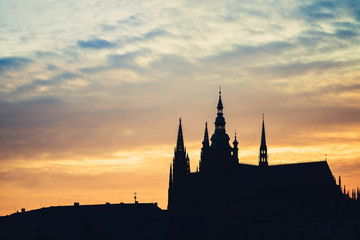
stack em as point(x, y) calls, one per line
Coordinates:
point(180, 139)
point(220, 105)
point(263, 138)
point(263, 161)
point(206, 137)
point(340, 184)
point(220, 120)
point(235, 141)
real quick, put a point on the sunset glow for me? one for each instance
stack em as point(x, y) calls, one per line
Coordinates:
point(91, 91)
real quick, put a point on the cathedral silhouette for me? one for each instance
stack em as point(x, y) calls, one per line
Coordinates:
point(222, 199)
point(221, 182)
point(264, 201)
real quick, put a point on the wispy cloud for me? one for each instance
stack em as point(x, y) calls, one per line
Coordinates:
point(96, 44)
point(13, 63)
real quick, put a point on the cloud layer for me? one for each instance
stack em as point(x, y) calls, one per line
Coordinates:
point(84, 81)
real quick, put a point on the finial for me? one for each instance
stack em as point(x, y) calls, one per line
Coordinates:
point(220, 90)
point(179, 120)
point(135, 197)
point(235, 134)
point(206, 124)
point(263, 116)
point(325, 157)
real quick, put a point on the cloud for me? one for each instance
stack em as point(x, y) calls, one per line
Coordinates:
point(345, 34)
point(46, 54)
point(353, 8)
point(118, 61)
point(248, 54)
point(106, 27)
point(319, 10)
point(133, 20)
point(13, 63)
point(55, 86)
point(96, 44)
point(293, 69)
point(52, 67)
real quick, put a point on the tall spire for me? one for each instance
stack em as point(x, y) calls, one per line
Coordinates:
point(220, 105)
point(220, 120)
point(206, 137)
point(263, 161)
point(263, 138)
point(180, 139)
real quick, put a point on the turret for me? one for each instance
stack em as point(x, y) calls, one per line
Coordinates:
point(205, 148)
point(236, 150)
point(205, 142)
point(340, 184)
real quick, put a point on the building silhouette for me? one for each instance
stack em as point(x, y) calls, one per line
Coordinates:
point(265, 201)
point(222, 199)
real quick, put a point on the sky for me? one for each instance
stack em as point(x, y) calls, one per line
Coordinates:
point(91, 92)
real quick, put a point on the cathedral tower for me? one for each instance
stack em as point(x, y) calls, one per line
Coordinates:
point(179, 171)
point(181, 166)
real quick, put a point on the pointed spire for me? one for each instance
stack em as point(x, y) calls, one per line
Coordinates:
point(340, 188)
point(263, 138)
point(180, 139)
point(220, 105)
point(220, 120)
point(263, 161)
point(206, 137)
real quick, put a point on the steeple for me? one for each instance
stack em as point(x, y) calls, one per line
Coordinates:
point(180, 139)
point(220, 140)
point(220, 105)
point(179, 171)
point(263, 161)
point(181, 165)
point(206, 137)
point(220, 120)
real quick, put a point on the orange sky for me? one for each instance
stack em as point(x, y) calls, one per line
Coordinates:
point(91, 92)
